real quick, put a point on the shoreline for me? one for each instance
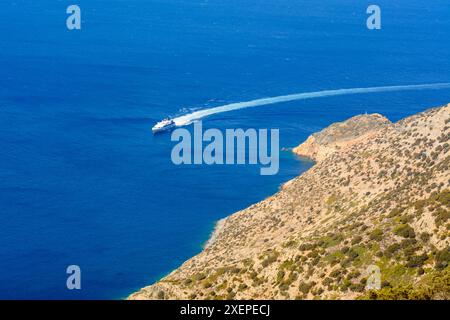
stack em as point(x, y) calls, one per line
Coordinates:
point(219, 225)
point(218, 228)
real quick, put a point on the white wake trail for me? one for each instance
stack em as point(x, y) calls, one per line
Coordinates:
point(186, 119)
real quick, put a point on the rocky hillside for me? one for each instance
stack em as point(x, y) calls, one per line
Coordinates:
point(340, 135)
point(378, 196)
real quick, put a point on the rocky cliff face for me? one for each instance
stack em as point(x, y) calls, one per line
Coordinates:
point(340, 135)
point(378, 197)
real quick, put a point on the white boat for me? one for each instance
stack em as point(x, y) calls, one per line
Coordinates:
point(163, 125)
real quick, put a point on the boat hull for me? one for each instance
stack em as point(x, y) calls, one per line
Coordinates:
point(157, 130)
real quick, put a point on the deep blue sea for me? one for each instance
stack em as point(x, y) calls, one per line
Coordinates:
point(84, 181)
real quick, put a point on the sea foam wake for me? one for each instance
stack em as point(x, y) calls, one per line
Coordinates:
point(188, 118)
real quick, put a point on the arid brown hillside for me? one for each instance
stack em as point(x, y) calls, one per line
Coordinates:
point(381, 198)
point(340, 135)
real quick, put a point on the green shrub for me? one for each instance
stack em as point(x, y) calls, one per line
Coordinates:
point(444, 198)
point(391, 250)
point(357, 287)
point(395, 212)
point(270, 258)
point(284, 287)
point(416, 261)
point(230, 295)
point(434, 286)
point(442, 258)
point(352, 254)
point(405, 231)
point(199, 277)
point(354, 274)
point(160, 295)
point(335, 273)
point(304, 287)
point(280, 276)
point(242, 287)
point(313, 254)
point(344, 249)
point(356, 240)
point(376, 235)
point(441, 216)
point(425, 236)
point(306, 247)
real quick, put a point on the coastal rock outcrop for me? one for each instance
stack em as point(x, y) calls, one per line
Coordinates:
point(340, 135)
